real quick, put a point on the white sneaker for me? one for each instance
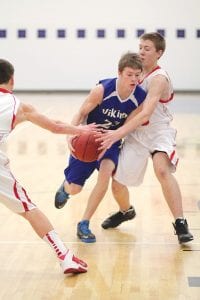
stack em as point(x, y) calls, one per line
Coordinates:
point(72, 264)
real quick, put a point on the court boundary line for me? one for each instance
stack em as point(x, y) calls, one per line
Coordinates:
point(104, 243)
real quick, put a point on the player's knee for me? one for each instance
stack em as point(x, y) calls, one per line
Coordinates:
point(161, 172)
point(30, 214)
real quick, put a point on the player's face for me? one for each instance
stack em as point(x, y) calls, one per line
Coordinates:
point(148, 53)
point(129, 77)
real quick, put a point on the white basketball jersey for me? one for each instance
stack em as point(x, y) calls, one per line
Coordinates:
point(161, 114)
point(8, 108)
point(12, 194)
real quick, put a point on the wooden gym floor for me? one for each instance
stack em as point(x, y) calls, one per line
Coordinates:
point(141, 259)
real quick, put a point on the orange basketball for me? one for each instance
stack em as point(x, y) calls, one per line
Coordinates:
point(86, 148)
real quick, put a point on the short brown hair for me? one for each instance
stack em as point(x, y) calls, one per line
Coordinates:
point(6, 71)
point(131, 60)
point(157, 39)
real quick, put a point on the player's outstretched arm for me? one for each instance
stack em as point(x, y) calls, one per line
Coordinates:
point(27, 112)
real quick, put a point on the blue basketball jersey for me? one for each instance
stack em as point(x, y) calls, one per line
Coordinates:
point(113, 111)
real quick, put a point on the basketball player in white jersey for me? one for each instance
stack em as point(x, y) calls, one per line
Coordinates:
point(149, 135)
point(12, 194)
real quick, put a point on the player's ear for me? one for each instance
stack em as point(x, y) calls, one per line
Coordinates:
point(160, 53)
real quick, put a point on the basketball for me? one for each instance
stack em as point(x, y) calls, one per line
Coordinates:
point(85, 147)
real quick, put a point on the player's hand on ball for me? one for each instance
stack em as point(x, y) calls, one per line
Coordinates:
point(107, 139)
point(89, 127)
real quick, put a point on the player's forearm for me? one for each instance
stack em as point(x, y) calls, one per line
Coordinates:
point(65, 129)
point(54, 126)
point(132, 124)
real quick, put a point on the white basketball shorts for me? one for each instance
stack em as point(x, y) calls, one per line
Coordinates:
point(12, 194)
point(138, 147)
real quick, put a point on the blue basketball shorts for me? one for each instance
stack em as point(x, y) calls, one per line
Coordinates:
point(78, 171)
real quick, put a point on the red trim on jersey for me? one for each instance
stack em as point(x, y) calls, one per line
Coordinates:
point(167, 100)
point(14, 116)
point(18, 197)
point(161, 100)
point(13, 120)
point(156, 68)
point(5, 91)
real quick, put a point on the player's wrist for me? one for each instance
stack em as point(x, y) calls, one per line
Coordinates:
point(119, 134)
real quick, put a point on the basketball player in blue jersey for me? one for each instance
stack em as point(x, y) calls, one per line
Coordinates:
point(108, 104)
point(12, 194)
point(156, 139)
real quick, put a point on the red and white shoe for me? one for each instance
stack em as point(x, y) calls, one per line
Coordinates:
point(72, 264)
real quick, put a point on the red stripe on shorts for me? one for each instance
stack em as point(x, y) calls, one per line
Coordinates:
point(18, 197)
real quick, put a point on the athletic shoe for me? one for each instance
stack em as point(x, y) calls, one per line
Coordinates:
point(84, 233)
point(72, 264)
point(119, 217)
point(182, 231)
point(61, 197)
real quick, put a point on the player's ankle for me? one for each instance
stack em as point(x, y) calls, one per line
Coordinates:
point(125, 209)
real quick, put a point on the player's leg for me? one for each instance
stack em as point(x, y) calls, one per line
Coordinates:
point(75, 175)
point(131, 168)
point(63, 193)
point(121, 195)
point(171, 191)
point(162, 167)
point(126, 210)
point(105, 172)
point(42, 226)
point(106, 166)
point(15, 198)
